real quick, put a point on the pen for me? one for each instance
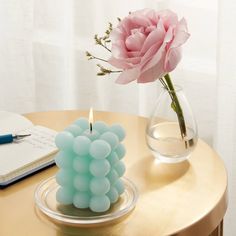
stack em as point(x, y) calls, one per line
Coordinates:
point(9, 138)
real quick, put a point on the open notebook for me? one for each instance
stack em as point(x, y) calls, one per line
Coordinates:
point(26, 156)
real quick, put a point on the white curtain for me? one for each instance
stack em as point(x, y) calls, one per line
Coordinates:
point(43, 65)
point(225, 127)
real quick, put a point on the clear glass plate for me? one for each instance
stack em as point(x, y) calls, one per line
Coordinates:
point(45, 199)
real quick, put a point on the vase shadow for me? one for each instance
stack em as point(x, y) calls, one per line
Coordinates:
point(149, 174)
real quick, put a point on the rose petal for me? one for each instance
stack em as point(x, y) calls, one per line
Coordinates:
point(134, 20)
point(153, 61)
point(150, 28)
point(147, 13)
point(181, 34)
point(169, 18)
point(128, 75)
point(169, 35)
point(141, 21)
point(133, 54)
point(151, 14)
point(124, 63)
point(135, 41)
point(154, 69)
point(117, 34)
point(152, 74)
point(133, 60)
point(150, 53)
point(119, 49)
point(127, 25)
point(118, 63)
point(172, 59)
point(154, 37)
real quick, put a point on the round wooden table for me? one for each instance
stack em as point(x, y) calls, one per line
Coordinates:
point(189, 198)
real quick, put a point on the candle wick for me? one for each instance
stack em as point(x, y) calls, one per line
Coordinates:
point(91, 127)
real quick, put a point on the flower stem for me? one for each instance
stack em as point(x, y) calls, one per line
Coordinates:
point(97, 58)
point(176, 107)
point(105, 47)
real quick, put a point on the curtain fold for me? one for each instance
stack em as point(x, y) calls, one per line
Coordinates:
point(225, 127)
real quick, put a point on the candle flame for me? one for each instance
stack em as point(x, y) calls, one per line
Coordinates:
point(91, 119)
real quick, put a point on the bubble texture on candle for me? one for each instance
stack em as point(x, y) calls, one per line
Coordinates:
point(113, 195)
point(113, 158)
point(81, 164)
point(82, 182)
point(82, 123)
point(120, 168)
point(64, 140)
point(111, 138)
point(99, 149)
point(64, 159)
point(119, 186)
point(119, 131)
point(81, 200)
point(75, 130)
point(112, 176)
point(99, 168)
point(65, 195)
point(99, 185)
point(91, 135)
point(90, 165)
point(81, 145)
point(99, 203)
point(64, 177)
point(120, 150)
point(100, 126)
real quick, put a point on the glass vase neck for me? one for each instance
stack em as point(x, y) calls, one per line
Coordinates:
point(177, 89)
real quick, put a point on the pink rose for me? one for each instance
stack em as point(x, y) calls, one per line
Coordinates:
point(146, 45)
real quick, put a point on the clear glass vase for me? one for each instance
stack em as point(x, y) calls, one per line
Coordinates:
point(171, 135)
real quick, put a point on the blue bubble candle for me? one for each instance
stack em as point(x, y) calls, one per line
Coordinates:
point(90, 164)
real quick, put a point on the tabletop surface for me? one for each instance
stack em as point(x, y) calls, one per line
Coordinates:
point(189, 198)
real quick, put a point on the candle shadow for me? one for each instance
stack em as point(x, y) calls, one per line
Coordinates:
point(149, 174)
point(102, 230)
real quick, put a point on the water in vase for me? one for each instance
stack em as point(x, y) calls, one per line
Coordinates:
point(165, 141)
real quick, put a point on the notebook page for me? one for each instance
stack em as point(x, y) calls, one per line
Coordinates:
point(16, 155)
point(12, 122)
